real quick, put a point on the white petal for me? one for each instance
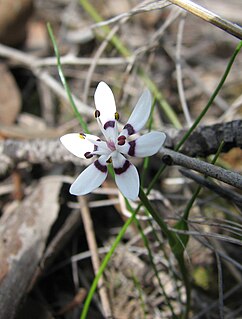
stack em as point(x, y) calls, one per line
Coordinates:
point(126, 177)
point(77, 145)
point(105, 103)
point(90, 179)
point(140, 114)
point(147, 144)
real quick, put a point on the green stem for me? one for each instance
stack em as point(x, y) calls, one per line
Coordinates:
point(146, 243)
point(145, 201)
point(201, 115)
point(104, 265)
point(97, 18)
point(64, 82)
point(215, 93)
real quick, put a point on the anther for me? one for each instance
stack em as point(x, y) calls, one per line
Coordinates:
point(97, 113)
point(109, 161)
point(116, 116)
point(121, 140)
point(88, 155)
point(82, 135)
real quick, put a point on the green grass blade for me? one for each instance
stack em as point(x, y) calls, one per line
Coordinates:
point(210, 101)
point(103, 266)
point(64, 82)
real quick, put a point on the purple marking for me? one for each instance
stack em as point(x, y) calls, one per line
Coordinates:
point(88, 155)
point(109, 124)
point(100, 167)
point(96, 146)
point(132, 146)
point(121, 140)
point(129, 128)
point(123, 169)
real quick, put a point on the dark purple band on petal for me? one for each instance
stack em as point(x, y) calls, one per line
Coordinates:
point(121, 170)
point(109, 124)
point(100, 167)
point(132, 145)
point(129, 128)
point(88, 155)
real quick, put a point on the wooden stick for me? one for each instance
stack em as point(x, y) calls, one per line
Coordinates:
point(92, 244)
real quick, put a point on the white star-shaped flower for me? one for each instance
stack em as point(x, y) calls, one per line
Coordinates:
point(116, 147)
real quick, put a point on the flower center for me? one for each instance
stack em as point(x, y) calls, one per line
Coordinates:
point(111, 145)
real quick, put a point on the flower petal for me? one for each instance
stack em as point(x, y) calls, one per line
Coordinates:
point(147, 144)
point(91, 178)
point(140, 114)
point(126, 176)
point(105, 104)
point(79, 144)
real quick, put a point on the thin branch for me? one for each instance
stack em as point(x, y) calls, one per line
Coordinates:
point(204, 141)
point(31, 63)
point(220, 286)
point(222, 191)
point(210, 17)
point(174, 158)
point(179, 71)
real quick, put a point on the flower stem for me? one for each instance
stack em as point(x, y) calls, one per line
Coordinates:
point(104, 265)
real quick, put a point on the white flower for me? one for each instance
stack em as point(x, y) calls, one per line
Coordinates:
point(116, 145)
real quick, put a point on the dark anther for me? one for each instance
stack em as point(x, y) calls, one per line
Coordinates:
point(97, 113)
point(167, 159)
point(88, 155)
point(109, 161)
point(121, 140)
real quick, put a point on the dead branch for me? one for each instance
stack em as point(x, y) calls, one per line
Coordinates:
point(210, 17)
point(174, 158)
point(39, 151)
point(204, 141)
point(207, 139)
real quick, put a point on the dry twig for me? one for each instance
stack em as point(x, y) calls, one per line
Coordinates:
point(210, 17)
point(174, 158)
point(88, 225)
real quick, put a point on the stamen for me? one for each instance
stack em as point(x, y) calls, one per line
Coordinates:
point(88, 155)
point(101, 127)
point(116, 116)
point(109, 161)
point(82, 135)
point(97, 113)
